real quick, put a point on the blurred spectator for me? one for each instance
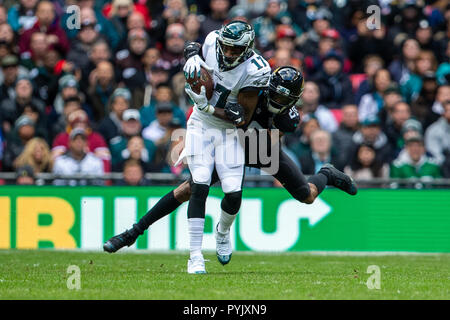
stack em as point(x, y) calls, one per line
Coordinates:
point(159, 130)
point(299, 141)
point(129, 60)
point(310, 104)
point(218, 15)
point(36, 155)
point(110, 126)
point(89, 15)
point(391, 97)
point(84, 41)
point(119, 145)
point(163, 94)
point(394, 126)
point(172, 52)
point(411, 127)
point(102, 86)
point(442, 96)
point(266, 26)
point(23, 132)
point(8, 43)
point(38, 49)
point(329, 40)
point(58, 123)
point(413, 162)
point(153, 70)
point(137, 149)
point(369, 42)
point(428, 107)
point(437, 136)
point(320, 153)
point(25, 176)
point(424, 35)
point(45, 78)
point(335, 87)
point(425, 62)
point(12, 108)
point(133, 174)
point(118, 12)
point(365, 166)
point(402, 67)
point(10, 65)
point(342, 137)
point(21, 16)
point(78, 160)
point(192, 27)
point(372, 63)
point(95, 142)
point(285, 46)
point(370, 133)
point(68, 87)
point(371, 103)
point(48, 23)
point(320, 21)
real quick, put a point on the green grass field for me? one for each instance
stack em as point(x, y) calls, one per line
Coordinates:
point(43, 275)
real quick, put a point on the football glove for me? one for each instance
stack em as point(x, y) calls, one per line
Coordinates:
point(234, 112)
point(200, 99)
point(193, 66)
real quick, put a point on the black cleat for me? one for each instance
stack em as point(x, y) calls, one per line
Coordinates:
point(339, 179)
point(119, 241)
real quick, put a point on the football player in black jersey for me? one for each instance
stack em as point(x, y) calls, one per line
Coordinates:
point(276, 109)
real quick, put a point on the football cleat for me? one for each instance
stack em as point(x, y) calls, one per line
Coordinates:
point(196, 265)
point(223, 246)
point(339, 179)
point(119, 241)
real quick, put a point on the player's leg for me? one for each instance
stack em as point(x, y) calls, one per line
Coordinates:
point(307, 191)
point(167, 204)
point(201, 177)
point(231, 176)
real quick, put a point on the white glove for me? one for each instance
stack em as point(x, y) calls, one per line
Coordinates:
point(193, 65)
point(200, 99)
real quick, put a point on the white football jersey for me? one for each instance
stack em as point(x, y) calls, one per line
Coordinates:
point(253, 72)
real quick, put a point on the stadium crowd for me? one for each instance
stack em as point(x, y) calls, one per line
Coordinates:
point(105, 96)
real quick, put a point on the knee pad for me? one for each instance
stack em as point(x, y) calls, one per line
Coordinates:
point(231, 184)
point(201, 175)
point(231, 203)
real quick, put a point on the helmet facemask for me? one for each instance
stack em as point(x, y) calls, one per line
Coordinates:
point(235, 36)
point(233, 61)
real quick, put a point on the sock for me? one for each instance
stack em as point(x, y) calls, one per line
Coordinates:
point(196, 226)
point(162, 208)
point(320, 180)
point(226, 220)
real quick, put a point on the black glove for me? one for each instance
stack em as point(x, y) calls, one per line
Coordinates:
point(191, 49)
point(287, 121)
point(234, 112)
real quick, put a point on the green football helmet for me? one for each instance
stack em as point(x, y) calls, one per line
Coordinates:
point(234, 44)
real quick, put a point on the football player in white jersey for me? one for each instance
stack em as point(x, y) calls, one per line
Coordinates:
point(212, 140)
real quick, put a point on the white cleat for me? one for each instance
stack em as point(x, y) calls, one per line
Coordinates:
point(223, 246)
point(196, 265)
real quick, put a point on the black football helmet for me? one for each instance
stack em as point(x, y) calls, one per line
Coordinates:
point(285, 88)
